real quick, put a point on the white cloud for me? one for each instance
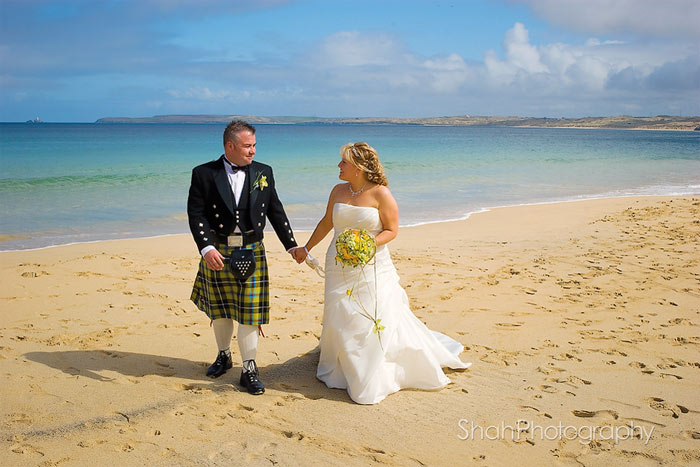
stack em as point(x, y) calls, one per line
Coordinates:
point(206, 94)
point(448, 73)
point(355, 73)
point(351, 48)
point(368, 62)
point(520, 53)
point(575, 68)
point(661, 18)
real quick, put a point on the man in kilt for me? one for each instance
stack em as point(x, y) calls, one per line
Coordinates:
point(228, 202)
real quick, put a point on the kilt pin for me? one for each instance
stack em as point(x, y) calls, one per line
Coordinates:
point(213, 215)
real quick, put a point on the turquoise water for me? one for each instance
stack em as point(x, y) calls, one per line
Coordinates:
point(66, 183)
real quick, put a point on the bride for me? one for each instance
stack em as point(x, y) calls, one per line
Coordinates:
point(371, 343)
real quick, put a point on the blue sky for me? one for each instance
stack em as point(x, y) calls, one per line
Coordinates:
point(79, 60)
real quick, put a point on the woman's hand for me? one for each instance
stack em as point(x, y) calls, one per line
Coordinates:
point(299, 254)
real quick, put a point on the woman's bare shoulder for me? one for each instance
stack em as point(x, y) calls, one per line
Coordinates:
point(337, 189)
point(383, 193)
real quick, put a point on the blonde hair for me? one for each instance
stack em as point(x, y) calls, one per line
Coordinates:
point(365, 158)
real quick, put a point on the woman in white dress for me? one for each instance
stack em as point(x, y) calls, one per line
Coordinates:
point(368, 357)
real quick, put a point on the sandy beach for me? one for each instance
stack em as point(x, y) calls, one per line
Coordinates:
point(581, 320)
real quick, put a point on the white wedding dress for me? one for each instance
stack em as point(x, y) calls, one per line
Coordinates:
point(405, 354)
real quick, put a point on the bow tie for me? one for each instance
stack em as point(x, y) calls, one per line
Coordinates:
point(239, 168)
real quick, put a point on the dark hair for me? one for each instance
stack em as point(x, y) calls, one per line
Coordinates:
point(235, 127)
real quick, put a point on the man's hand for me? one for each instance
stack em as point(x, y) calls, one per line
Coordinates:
point(214, 260)
point(299, 254)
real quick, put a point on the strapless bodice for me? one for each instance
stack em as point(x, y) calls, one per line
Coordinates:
point(356, 217)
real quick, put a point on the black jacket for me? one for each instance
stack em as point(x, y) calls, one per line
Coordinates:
point(210, 205)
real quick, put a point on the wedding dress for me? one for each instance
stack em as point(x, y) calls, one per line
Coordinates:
point(371, 365)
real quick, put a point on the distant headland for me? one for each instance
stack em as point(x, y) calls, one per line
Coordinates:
point(660, 122)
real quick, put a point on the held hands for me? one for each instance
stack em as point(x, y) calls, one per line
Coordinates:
point(215, 260)
point(299, 254)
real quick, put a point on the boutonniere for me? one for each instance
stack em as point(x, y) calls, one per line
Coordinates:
point(260, 182)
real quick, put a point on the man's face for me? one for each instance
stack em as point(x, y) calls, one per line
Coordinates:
point(241, 151)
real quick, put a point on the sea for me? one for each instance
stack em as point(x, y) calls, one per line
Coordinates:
point(71, 183)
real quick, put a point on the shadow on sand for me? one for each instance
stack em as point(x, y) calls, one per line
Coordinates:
point(296, 375)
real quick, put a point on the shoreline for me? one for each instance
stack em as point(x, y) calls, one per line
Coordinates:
point(575, 315)
point(619, 122)
point(572, 127)
point(464, 217)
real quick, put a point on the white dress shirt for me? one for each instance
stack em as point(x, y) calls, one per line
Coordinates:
point(237, 182)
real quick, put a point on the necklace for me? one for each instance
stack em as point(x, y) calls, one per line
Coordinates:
point(354, 193)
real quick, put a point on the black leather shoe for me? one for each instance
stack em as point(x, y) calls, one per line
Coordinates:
point(249, 379)
point(219, 367)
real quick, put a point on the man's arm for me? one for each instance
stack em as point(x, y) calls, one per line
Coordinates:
point(278, 218)
point(196, 215)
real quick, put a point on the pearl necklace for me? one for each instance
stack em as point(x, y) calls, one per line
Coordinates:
point(354, 193)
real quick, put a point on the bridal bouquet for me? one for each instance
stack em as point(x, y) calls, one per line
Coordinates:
point(356, 249)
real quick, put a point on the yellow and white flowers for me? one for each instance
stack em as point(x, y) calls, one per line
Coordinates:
point(260, 182)
point(356, 248)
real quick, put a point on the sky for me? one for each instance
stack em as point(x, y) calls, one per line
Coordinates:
point(81, 60)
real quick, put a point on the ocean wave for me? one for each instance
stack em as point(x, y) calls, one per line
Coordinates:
point(18, 184)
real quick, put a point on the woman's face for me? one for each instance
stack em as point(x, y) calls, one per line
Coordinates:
point(347, 170)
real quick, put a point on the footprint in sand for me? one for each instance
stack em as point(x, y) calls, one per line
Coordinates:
point(596, 414)
point(26, 449)
point(550, 367)
point(573, 381)
point(33, 274)
point(193, 388)
point(670, 375)
point(20, 418)
point(292, 434)
point(667, 409)
point(614, 352)
point(565, 357)
point(535, 409)
point(510, 325)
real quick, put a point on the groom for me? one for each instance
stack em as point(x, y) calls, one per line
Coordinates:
point(228, 202)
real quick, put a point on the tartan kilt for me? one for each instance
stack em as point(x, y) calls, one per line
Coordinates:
point(220, 295)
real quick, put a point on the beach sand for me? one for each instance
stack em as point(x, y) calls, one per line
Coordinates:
point(580, 314)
